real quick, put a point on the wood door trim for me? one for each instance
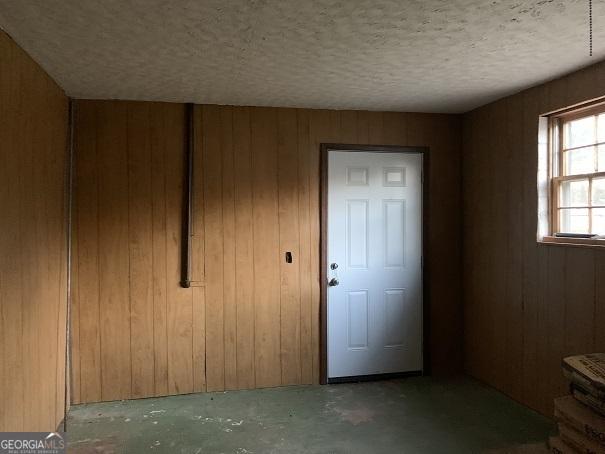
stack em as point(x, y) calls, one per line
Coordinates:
point(323, 256)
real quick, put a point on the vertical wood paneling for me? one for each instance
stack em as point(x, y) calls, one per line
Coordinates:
point(305, 166)
point(499, 200)
point(244, 244)
point(531, 317)
point(375, 128)
point(513, 298)
point(114, 260)
point(347, 127)
point(552, 298)
point(198, 265)
point(554, 319)
point(229, 251)
point(489, 257)
point(56, 225)
point(251, 319)
point(579, 301)
point(477, 259)
point(469, 177)
point(88, 365)
point(135, 323)
point(363, 127)
point(266, 247)
point(33, 261)
point(11, 297)
point(444, 221)
point(197, 234)
point(74, 340)
point(537, 343)
point(158, 149)
point(213, 219)
point(395, 129)
point(140, 206)
point(179, 300)
point(51, 239)
point(289, 241)
point(199, 338)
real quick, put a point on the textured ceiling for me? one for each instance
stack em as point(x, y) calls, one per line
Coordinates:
point(414, 55)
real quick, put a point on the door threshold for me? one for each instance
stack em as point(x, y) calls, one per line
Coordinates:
point(374, 377)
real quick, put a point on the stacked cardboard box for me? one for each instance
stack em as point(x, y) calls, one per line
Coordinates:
point(581, 415)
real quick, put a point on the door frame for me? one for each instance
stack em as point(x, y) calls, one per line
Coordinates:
point(325, 148)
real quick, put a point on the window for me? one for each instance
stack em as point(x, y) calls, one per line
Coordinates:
point(577, 144)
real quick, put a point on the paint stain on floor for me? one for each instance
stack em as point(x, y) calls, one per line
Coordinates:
point(412, 415)
point(107, 445)
point(356, 416)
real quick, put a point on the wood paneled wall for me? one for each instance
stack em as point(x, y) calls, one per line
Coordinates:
point(132, 325)
point(33, 245)
point(250, 320)
point(526, 305)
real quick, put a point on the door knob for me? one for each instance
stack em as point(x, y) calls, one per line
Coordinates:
point(333, 266)
point(333, 282)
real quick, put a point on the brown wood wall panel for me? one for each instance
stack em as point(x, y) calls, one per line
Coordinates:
point(197, 268)
point(525, 304)
point(134, 323)
point(251, 320)
point(180, 300)
point(304, 247)
point(159, 143)
point(265, 225)
point(33, 245)
point(85, 291)
point(140, 235)
point(229, 250)
point(213, 221)
point(244, 246)
point(113, 259)
point(289, 241)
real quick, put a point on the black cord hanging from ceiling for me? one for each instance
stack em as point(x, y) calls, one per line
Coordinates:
point(590, 26)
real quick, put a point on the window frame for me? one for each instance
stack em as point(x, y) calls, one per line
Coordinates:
point(556, 177)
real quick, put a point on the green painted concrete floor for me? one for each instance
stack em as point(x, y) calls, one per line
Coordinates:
point(412, 415)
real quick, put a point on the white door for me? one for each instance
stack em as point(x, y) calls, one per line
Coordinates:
point(375, 240)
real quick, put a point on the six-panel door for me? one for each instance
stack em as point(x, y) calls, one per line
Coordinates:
point(375, 240)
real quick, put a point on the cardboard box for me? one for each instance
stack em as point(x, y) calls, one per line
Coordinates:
point(587, 371)
point(586, 398)
point(579, 441)
point(558, 446)
point(581, 418)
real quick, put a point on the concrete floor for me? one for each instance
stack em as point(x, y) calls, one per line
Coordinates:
point(413, 415)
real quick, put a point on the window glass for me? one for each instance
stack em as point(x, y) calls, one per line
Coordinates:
point(598, 221)
point(598, 192)
point(601, 128)
point(579, 161)
point(574, 193)
point(578, 169)
point(580, 132)
point(574, 220)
